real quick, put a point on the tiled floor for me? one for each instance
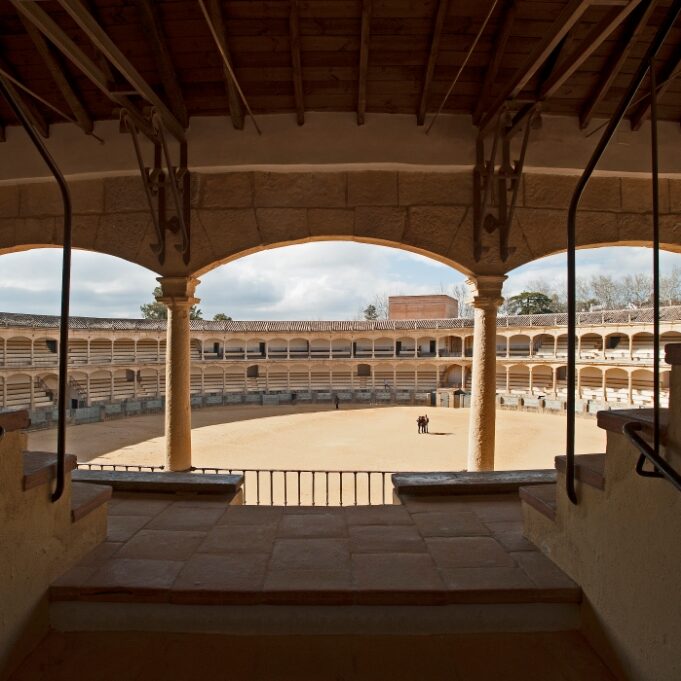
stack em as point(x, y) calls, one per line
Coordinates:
point(430, 551)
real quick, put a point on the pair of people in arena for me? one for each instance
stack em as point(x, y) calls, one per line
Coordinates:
point(422, 422)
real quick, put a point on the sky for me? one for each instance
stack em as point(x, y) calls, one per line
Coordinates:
point(322, 280)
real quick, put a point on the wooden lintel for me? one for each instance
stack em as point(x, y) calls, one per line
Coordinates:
point(620, 53)
point(439, 21)
point(236, 111)
point(665, 76)
point(584, 49)
point(60, 77)
point(151, 21)
point(296, 65)
point(500, 41)
point(570, 15)
point(32, 112)
point(363, 61)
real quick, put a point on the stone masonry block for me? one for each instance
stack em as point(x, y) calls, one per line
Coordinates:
point(674, 195)
point(596, 228)
point(637, 195)
point(433, 228)
point(380, 223)
point(9, 201)
point(122, 235)
point(39, 231)
point(87, 196)
point(300, 190)
point(41, 198)
point(330, 221)
point(85, 231)
point(431, 188)
point(279, 225)
point(544, 230)
point(8, 229)
point(670, 229)
point(230, 231)
point(372, 188)
point(555, 191)
point(124, 194)
point(227, 190)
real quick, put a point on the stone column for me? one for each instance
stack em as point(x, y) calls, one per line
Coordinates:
point(486, 299)
point(178, 296)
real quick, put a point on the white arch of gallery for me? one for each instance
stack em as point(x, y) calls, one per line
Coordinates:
point(384, 183)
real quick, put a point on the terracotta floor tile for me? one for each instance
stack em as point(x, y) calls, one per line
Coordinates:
point(514, 541)
point(386, 539)
point(211, 572)
point(496, 578)
point(310, 554)
point(137, 506)
point(239, 539)
point(136, 573)
point(100, 553)
point(251, 515)
point(312, 525)
point(542, 571)
point(399, 571)
point(574, 656)
point(377, 515)
point(162, 544)
point(201, 501)
point(457, 552)
point(447, 524)
point(497, 508)
point(420, 504)
point(308, 580)
point(186, 518)
point(76, 576)
point(121, 527)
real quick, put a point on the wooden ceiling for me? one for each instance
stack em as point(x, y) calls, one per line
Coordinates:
point(363, 56)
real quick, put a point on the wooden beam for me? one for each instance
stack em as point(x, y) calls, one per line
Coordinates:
point(634, 27)
point(26, 103)
point(500, 40)
point(363, 61)
point(294, 35)
point(51, 30)
point(666, 74)
point(581, 52)
point(61, 79)
point(570, 15)
point(110, 50)
point(3, 134)
point(439, 22)
point(153, 28)
point(102, 61)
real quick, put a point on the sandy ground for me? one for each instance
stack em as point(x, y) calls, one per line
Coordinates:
point(320, 438)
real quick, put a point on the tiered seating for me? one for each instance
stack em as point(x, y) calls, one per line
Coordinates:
point(501, 380)
point(276, 349)
point(147, 352)
point(299, 381)
point(195, 384)
point(100, 351)
point(342, 379)
point(212, 382)
point(616, 386)
point(319, 349)
point(542, 380)
point(19, 394)
point(162, 352)
point(642, 346)
point(195, 351)
point(147, 385)
point(124, 351)
point(591, 385)
point(544, 346)
point(100, 388)
point(45, 352)
point(519, 346)
point(320, 380)
point(518, 380)
point(427, 379)
point(342, 349)
point(642, 388)
point(562, 346)
point(78, 351)
point(234, 381)
point(590, 347)
point(277, 380)
point(234, 349)
point(18, 352)
point(619, 347)
point(383, 377)
point(404, 379)
point(384, 347)
point(124, 386)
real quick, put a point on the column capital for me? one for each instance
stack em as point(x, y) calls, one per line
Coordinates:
point(178, 291)
point(485, 290)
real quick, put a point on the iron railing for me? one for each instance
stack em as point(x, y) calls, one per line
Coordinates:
point(286, 487)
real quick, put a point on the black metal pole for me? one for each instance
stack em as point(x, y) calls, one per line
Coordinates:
point(65, 284)
point(656, 257)
point(618, 115)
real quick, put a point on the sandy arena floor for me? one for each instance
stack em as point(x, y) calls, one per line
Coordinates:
point(316, 437)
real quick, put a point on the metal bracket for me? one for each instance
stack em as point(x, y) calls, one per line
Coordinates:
point(495, 190)
point(160, 178)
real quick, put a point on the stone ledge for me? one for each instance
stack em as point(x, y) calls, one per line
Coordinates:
point(493, 482)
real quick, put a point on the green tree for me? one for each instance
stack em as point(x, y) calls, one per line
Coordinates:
point(370, 312)
point(530, 302)
point(158, 310)
point(221, 317)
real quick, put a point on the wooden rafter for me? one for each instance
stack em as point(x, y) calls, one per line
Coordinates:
point(296, 64)
point(500, 40)
point(439, 22)
point(33, 114)
point(49, 28)
point(665, 75)
point(633, 29)
point(580, 53)
point(3, 135)
point(153, 28)
point(61, 79)
point(236, 111)
point(112, 52)
point(363, 61)
point(559, 29)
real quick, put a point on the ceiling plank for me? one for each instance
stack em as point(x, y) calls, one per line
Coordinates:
point(665, 75)
point(439, 22)
point(570, 15)
point(153, 28)
point(61, 79)
point(110, 50)
point(294, 34)
point(32, 113)
point(581, 52)
point(363, 61)
point(500, 41)
point(236, 111)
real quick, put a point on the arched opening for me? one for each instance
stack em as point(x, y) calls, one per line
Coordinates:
point(591, 383)
point(519, 345)
point(617, 386)
point(542, 380)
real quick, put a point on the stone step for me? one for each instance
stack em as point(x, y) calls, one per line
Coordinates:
point(589, 468)
point(491, 482)
point(86, 497)
point(542, 498)
point(40, 468)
